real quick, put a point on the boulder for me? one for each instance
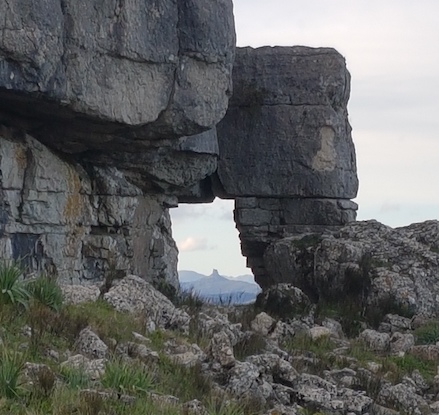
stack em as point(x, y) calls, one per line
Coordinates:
point(286, 152)
point(132, 294)
point(90, 345)
point(284, 300)
point(373, 340)
point(93, 368)
point(404, 399)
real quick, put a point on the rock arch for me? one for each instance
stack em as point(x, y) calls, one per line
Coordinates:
point(101, 135)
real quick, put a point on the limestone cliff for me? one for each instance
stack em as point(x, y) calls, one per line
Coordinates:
point(109, 116)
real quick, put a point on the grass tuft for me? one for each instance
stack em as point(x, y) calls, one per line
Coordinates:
point(428, 334)
point(45, 291)
point(11, 365)
point(127, 377)
point(12, 289)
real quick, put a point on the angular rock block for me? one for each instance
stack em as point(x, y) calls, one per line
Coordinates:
point(286, 132)
point(131, 70)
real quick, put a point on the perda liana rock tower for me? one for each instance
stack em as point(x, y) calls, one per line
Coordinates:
point(111, 113)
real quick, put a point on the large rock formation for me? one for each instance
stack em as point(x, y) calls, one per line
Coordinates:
point(115, 73)
point(376, 265)
point(108, 115)
point(97, 101)
point(79, 221)
point(286, 153)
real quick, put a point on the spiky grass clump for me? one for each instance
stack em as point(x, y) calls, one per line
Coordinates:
point(45, 291)
point(75, 378)
point(127, 378)
point(12, 289)
point(11, 365)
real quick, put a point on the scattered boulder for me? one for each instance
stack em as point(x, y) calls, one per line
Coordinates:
point(134, 295)
point(221, 349)
point(373, 340)
point(76, 294)
point(283, 300)
point(263, 324)
point(90, 345)
point(403, 399)
point(401, 343)
point(317, 332)
point(94, 368)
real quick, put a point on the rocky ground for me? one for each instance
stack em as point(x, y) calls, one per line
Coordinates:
point(136, 352)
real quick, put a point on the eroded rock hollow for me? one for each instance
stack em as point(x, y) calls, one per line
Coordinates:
point(111, 113)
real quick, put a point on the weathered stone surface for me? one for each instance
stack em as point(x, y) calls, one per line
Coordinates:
point(77, 224)
point(286, 153)
point(286, 132)
point(263, 324)
point(373, 340)
point(93, 368)
point(369, 261)
point(134, 295)
point(221, 349)
point(401, 343)
point(404, 399)
point(90, 345)
point(163, 67)
point(283, 300)
point(76, 294)
point(426, 352)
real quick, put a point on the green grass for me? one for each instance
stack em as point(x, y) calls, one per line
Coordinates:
point(11, 365)
point(428, 334)
point(75, 378)
point(44, 290)
point(12, 289)
point(129, 378)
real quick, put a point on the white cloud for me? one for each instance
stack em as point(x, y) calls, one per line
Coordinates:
point(194, 243)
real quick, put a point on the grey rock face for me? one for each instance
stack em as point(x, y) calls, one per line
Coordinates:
point(373, 340)
point(77, 224)
point(163, 67)
point(131, 94)
point(286, 132)
point(286, 152)
point(397, 267)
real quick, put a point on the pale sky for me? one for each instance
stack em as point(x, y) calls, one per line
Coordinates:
point(391, 49)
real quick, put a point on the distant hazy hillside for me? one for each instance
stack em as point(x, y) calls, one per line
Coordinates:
point(189, 276)
point(217, 288)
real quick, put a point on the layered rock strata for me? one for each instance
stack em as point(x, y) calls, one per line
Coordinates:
point(286, 152)
point(108, 117)
point(116, 74)
point(79, 222)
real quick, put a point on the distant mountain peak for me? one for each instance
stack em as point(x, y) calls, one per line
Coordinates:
point(215, 273)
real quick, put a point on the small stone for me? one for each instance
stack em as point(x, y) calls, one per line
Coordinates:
point(379, 342)
point(318, 332)
point(263, 324)
point(89, 344)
